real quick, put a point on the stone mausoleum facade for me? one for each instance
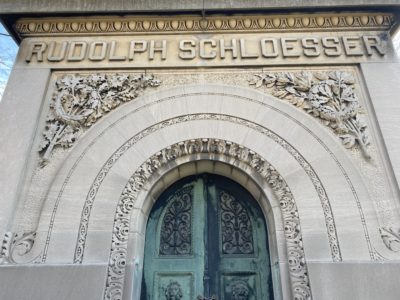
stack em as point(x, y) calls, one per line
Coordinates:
point(201, 150)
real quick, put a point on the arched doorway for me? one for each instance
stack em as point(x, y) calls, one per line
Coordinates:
point(206, 238)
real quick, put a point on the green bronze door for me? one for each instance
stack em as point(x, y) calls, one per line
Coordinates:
point(206, 239)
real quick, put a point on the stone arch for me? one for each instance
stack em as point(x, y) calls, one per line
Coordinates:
point(318, 186)
point(176, 115)
point(140, 186)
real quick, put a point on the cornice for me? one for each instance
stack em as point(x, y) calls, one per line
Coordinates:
point(193, 24)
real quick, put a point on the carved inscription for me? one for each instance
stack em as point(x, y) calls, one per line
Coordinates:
point(239, 47)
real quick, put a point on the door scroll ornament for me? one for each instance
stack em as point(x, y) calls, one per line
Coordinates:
point(328, 96)
point(176, 230)
point(82, 100)
point(236, 229)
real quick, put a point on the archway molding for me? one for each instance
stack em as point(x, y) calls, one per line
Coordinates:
point(191, 109)
point(140, 188)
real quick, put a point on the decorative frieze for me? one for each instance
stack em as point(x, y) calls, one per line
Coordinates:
point(328, 96)
point(82, 100)
point(195, 24)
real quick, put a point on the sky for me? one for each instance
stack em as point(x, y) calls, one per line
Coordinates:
point(8, 51)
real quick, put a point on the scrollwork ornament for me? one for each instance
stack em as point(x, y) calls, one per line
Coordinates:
point(16, 246)
point(80, 101)
point(114, 293)
point(176, 229)
point(236, 228)
point(328, 96)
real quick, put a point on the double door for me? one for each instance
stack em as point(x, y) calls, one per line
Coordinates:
point(206, 239)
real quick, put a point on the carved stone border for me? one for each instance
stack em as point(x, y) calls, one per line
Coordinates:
point(78, 257)
point(326, 207)
point(195, 24)
point(90, 197)
point(296, 258)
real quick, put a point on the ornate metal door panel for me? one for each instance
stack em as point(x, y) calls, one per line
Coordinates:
point(206, 239)
point(174, 254)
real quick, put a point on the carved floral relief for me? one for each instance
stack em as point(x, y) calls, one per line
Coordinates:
point(328, 96)
point(80, 101)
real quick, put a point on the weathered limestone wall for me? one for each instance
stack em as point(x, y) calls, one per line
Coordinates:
point(302, 114)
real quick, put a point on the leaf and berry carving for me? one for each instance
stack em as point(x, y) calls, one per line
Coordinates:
point(329, 96)
point(81, 100)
